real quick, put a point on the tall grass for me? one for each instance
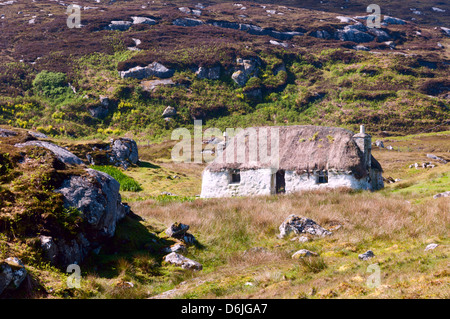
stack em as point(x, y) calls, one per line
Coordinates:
point(126, 183)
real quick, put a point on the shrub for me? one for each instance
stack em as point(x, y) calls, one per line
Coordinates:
point(50, 83)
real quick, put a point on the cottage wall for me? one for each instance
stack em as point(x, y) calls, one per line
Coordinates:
point(253, 182)
point(262, 182)
point(298, 182)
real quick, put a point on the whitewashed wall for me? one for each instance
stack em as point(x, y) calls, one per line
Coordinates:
point(299, 182)
point(253, 183)
point(262, 182)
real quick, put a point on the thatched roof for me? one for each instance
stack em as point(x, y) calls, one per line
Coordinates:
point(301, 148)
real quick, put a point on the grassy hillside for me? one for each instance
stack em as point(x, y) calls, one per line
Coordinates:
point(401, 87)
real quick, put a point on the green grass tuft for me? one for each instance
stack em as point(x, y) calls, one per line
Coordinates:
point(126, 183)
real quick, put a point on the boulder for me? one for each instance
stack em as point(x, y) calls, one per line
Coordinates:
point(61, 153)
point(321, 34)
point(300, 225)
point(354, 33)
point(246, 68)
point(96, 195)
point(183, 262)
point(381, 35)
point(367, 255)
point(137, 72)
point(98, 111)
point(212, 73)
point(124, 152)
point(119, 25)
point(143, 20)
point(239, 78)
point(159, 70)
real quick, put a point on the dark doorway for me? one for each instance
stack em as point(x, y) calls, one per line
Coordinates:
point(280, 183)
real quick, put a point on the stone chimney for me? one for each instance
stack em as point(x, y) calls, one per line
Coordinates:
point(364, 142)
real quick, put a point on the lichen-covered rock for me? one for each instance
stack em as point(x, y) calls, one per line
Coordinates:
point(61, 153)
point(300, 225)
point(183, 262)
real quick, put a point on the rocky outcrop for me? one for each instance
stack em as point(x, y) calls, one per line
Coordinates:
point(187, 22)
point(7, 133)
point(12, 273)
point(61, 153)
point(245, 69)
point(300, 225)
point(154, 69)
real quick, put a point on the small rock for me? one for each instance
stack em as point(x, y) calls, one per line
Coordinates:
point(431, 247)
point(444, 194)
point(299, 225)
point(367, 255)
point(303, 253)
point(379, 143)
point(169, 112)
point(183, 262)
point(176, 248)
point(177, 230)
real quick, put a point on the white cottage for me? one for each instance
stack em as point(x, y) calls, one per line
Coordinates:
point(287, 159)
